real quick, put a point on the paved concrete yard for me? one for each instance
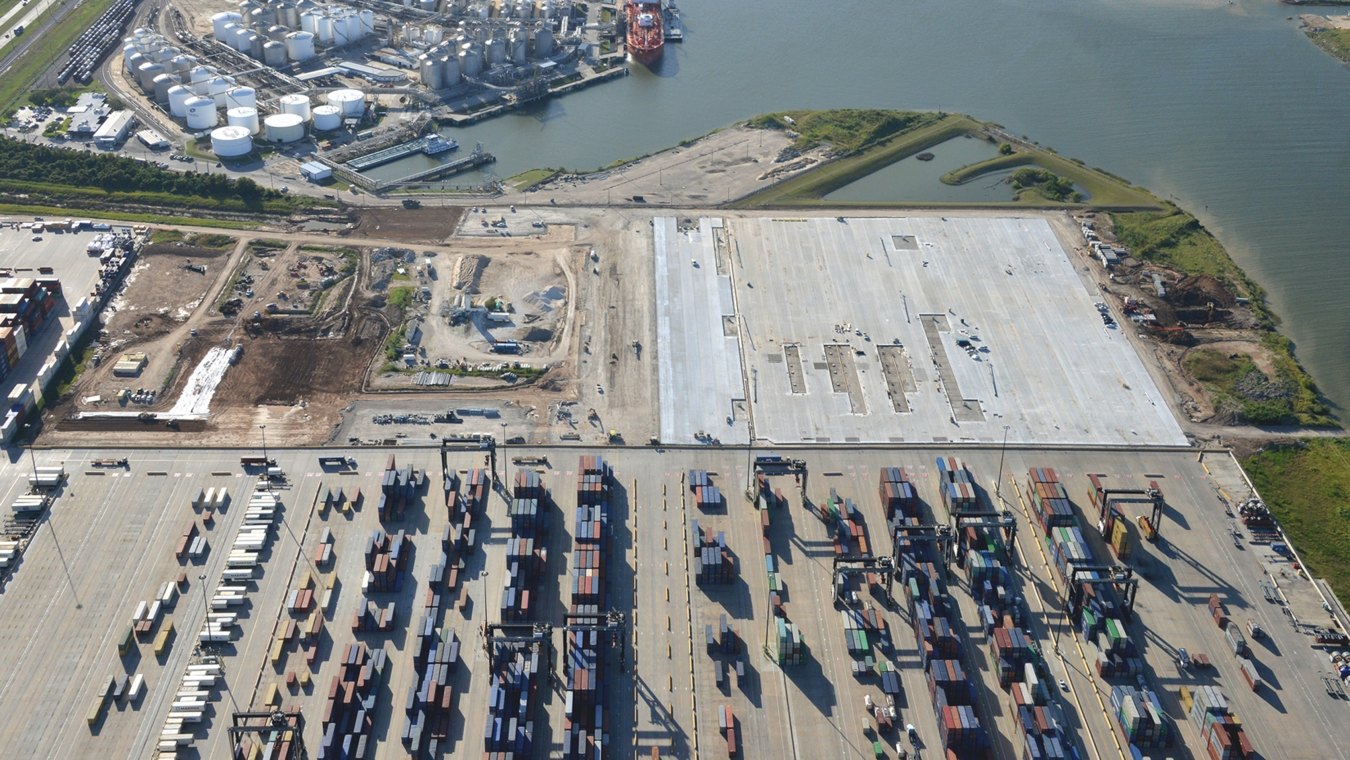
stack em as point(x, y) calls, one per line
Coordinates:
point(1040, 362)
point(701, 379)
point(66, 254)
point(108, 543)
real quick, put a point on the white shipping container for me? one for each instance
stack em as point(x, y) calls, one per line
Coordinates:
point(137, 684)
point(139, 614)
point(243, 560)
point(238, 574)
point(187, 716)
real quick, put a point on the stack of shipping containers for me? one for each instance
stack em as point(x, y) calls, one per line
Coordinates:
point(1096, 611)
point(514, 686)
point(1220, 731)
point(584, 699)
point(398, 488)
point(785, 639)
point(349, 709)
point(925, 594)
point(431, 697)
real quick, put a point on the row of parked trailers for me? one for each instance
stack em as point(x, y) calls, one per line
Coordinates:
point(195, 691)
point(584, 727)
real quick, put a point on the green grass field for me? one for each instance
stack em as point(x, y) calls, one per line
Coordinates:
point(872, 140)
point(1308, 489)
point(1334, 41)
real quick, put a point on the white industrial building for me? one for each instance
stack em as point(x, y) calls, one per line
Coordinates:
point(315, 171)
point(114, 130)
point(152, 139)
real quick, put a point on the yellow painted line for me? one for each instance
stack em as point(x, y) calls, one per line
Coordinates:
point(1040, 549)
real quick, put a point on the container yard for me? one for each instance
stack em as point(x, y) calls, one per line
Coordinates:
point(406, 604)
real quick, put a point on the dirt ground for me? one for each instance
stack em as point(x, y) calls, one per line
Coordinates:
point(720, 167)
point(1314, 21)
point(151, 314)
point(424, 225)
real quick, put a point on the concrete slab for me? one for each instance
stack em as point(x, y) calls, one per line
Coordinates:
point(1022, 346)
point(700, 361)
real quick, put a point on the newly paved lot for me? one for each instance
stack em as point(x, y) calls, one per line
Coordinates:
point(1040, 361)
point(108, 544)
point(700, 360)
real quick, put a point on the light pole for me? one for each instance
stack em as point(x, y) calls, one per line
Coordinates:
point(998, 487)
point(267, 462)
point(506, 467)
point(32, 458)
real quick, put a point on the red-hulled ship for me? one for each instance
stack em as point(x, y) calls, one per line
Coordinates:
point(646, 37)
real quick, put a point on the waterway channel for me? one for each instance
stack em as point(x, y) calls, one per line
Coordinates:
point(1224, 107)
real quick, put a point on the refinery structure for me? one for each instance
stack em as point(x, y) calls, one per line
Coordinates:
point(355, 81)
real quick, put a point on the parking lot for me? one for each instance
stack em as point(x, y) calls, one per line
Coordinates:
point(108, 543)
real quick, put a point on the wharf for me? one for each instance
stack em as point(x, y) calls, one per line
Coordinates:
point(381, 157)
point(471, 161)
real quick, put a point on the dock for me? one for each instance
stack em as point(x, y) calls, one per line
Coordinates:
point(474, 160)
point(388, 155)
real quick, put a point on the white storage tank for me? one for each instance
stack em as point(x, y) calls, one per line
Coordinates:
point(134, 62)
point(219, 21)
point(240, 41)
point(352, 103)
point(309, 21)
point(295, 103)
point(231, 142)
point(432, 34)
point(202, 74)
point(327, 118)
point(450, 71)
point(277, 32)
point(216, 89)
point(181, 64)
point(300, 46)
point(241, 96)
point(201, 113)
point(323, 29)
point(178, 98)
point(470, 59)
point(145, 75)
point(365, 21)
point(274, 53)
point(243, 116)
point(289, 16)
point(430, 71)
point(284, 127)
point(496, 51)
point(161, 85)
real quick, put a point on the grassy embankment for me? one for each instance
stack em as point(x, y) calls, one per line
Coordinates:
point(1308, 488)
point(1176, 240)
point(868, 140)
point(1334, 41)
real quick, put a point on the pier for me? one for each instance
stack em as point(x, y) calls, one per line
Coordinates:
point(382, 157)
point(477, 158)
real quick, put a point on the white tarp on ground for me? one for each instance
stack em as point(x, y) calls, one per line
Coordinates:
point(195, 401)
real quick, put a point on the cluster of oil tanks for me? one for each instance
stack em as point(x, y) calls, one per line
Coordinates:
point(288, 124)
point(95, 42)
point(466, 55)
point(278, 33)
point(522, 9)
